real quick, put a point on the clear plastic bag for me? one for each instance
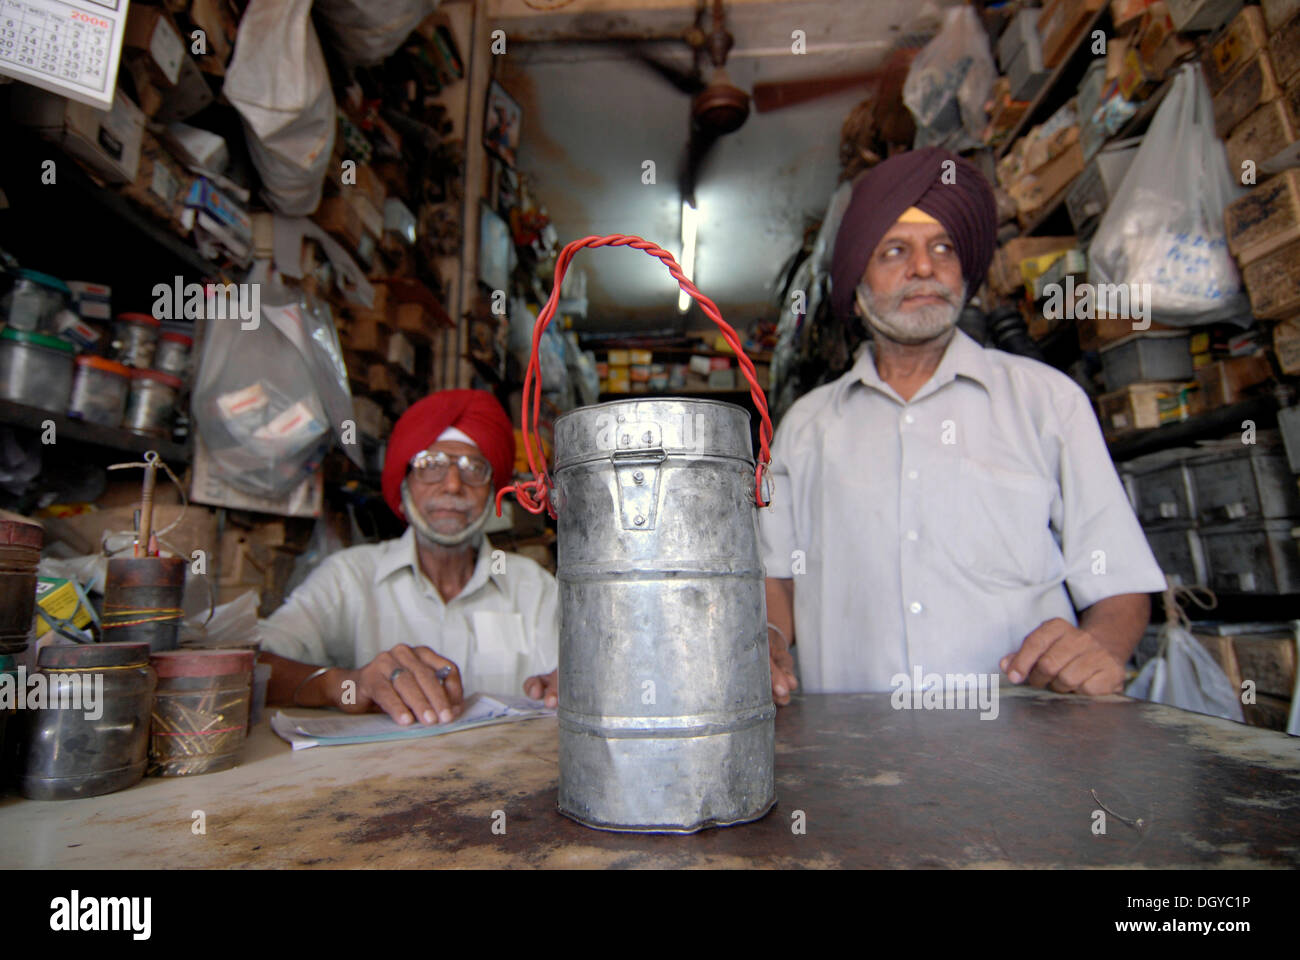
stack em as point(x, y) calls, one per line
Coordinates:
point(268, 399)
point(949, 82)
point(278, 82)
point(365, 32)
point(1185, 675)
point(1164, 226)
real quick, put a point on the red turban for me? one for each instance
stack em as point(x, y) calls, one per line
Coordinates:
point(958, 196)
point(476, 412)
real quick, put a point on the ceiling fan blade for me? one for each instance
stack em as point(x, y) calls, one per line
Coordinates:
point(688, 82)
point(775, 96)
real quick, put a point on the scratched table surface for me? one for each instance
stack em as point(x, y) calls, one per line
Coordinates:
point(871, 786)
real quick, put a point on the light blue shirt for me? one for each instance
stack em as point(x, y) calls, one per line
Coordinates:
point(940, 532)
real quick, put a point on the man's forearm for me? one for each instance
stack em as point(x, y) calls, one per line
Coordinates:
point(1116, 623)
point(286, 675)
point(780, 605)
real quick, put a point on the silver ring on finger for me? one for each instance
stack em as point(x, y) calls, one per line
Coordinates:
point(392, 677)
point(442, 673)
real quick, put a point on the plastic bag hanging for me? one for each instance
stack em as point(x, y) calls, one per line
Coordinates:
point(1164, 228)
point(1184, 674)
point(949, 82)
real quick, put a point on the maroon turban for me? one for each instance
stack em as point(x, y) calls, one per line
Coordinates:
point(965, 206)
point(476, 412)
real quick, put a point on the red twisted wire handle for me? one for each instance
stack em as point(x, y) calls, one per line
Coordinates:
point(534, 495)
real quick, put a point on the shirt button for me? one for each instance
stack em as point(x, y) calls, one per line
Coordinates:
point(915, 607)
point(911, 534)
point(908, 418)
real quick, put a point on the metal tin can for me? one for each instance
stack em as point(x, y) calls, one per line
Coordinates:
point(20, 553)
point(136, 337)
point(152, 402)
point(666, 716)
point(200, 710)
point(142, 600)
point(99, 391)
point(173, 354)
point(92, 737)
point(35, 369)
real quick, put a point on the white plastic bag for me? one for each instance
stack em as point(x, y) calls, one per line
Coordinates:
point(278, 82)
point(1184, 675)
point(1164, 226)
point(268, 399)
point(365, 32)
point(949, 82)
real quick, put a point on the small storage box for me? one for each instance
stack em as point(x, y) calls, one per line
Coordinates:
point(1253, 558)
point(1164, 495)
point(1253, 484)
point(1180, 555)
point(1146, 356)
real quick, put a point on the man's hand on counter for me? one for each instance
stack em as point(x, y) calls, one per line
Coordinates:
point(1060, 656)
point(783, 679)
point(544, 687)
point(403, 682)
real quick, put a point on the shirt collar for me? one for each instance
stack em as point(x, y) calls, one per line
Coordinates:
point(962, 358)
point(401, 554)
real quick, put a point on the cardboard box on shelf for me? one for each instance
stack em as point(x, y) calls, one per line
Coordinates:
point(1036, 190)
point(107, 142)
point(1004, 272)
point(152, 30)
point(1097, 330)
point(1136, 407)
point(1252, 85)
point(640, 356)
point(369, 417)
point(1225, 382)
point(1240, 40)
point(160, 185)
point(619, 358)
point(337, 217)
point(1273, 282)
point(1278, 12)
point(1194, 15)
point(1285, 49)
point(1061, 24)
point(366, 333)
point(1126, 14)
point(1266, 132)
point(380, 379)
point(1265, 219)
point(1286, 346)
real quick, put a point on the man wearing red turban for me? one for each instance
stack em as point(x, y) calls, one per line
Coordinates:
point(411, 625)
point(943, 510)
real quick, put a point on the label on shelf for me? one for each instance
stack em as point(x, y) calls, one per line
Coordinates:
point(69, 47)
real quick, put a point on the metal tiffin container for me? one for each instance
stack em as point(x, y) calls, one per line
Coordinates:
point(666, 720)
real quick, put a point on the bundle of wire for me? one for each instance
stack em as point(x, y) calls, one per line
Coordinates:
point(534, 495)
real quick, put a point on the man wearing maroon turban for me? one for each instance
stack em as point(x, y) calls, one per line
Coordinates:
point(943, 511)
point(412, 625)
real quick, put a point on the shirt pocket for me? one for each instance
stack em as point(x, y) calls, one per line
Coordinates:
point(999, 521)
point(498, 653)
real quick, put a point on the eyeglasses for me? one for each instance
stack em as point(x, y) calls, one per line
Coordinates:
point(432, 468)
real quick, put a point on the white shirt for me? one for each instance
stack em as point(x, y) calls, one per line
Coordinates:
point(940, 532)
point(500, 630)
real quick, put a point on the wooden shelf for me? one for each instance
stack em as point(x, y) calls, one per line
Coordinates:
point(1210, 425)
point(79, 431)
point(1033, 114)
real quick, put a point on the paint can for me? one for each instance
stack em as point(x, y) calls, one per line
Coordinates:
point(200, 710)
point(92, 737)
point(142, 601)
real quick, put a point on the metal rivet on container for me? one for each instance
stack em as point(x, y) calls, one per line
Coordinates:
point(638, 477)
point(621, 418)
point(647, 438)
point(638, 520)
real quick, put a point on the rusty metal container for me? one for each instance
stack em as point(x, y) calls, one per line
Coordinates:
point(142, 601)
point(666, 716)
point(20, 552)
point(67, 751)
point(200, 710)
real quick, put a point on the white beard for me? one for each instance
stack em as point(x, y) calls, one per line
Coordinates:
point(471, 536)
point(908, 326)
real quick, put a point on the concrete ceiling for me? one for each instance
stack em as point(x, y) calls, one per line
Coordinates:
point(593, 115)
